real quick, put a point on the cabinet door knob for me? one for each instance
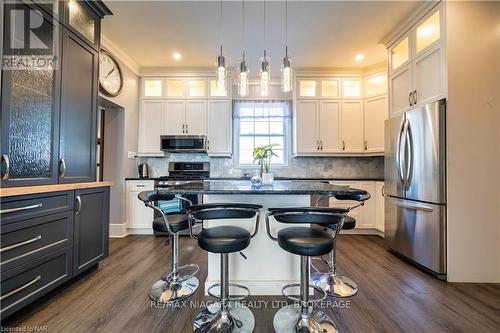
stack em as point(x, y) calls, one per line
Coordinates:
point(366, 144)
point(187, 128)
point(321, 144)
point(343, 145)
point(62, 168)
point(6, 173)
point(414, 96)
point(409, 99)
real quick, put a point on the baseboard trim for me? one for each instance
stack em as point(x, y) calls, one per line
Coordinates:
point(118, 230)
point(140, 231)
point(367, 231)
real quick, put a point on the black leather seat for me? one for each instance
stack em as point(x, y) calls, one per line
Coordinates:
point(177, 222)
point(305, 241)
point(224, 239)
point(349, 223)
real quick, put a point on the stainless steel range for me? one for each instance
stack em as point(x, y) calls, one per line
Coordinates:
point(180, 173)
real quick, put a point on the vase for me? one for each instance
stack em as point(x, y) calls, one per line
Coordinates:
point(267, 178)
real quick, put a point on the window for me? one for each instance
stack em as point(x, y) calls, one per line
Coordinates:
point(259, 123)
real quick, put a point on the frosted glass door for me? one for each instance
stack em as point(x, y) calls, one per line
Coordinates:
point(29, 119)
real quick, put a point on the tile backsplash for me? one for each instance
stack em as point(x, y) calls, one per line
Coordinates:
point(298, 167)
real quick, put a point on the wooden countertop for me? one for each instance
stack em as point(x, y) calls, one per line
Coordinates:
point(11, 191)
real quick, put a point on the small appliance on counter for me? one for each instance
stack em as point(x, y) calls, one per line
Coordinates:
point(143, 170)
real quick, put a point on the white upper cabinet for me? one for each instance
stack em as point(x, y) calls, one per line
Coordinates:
point(196, 88)
point(399, 54)
point(375, 112)
point(307, 126)
point(152, 88)
point(375, 84)
point(428, 31)
point(418, 65)
point(175, 88)
point(352, 126)
point(196, 118)
point(219, 128)
point(351, 88)
point(307, 88)
point(150, 127)
point(215, 92)
point(174, 117)
point(329, 126)
point(330, 88)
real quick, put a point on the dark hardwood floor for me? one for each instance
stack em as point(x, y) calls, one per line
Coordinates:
point(394, 296)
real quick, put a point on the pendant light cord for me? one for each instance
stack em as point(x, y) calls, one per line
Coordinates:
point(221, 26)
point(243, 27)
point(265, 28)
point(286, 23)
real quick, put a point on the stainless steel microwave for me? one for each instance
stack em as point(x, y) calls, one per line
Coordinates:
point(184, 143)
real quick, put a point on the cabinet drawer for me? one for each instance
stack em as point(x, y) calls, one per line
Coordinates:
point(24, 284)
point(24, 207)
point(27, 240)
point(141, 185)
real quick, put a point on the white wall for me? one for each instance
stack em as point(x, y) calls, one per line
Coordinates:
point(121, 137)
point(473, 45)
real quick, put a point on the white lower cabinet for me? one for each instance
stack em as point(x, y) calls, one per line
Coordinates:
point(370, 216)
point(219, 128)
point(139, 217)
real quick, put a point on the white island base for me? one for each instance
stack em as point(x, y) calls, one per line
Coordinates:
point(268, 267)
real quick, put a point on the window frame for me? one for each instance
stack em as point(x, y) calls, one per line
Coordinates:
point(287, 137)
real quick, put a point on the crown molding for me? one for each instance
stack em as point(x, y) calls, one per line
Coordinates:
point(107, 44)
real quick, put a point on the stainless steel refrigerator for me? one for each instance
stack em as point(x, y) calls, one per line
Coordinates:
point(415, 186)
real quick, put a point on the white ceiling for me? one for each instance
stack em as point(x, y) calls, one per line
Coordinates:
point(320, 33)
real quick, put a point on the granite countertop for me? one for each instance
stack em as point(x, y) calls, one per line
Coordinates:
point(278, 187)
point(279, 178)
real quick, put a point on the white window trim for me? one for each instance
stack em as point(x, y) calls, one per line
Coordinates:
point(286, 150)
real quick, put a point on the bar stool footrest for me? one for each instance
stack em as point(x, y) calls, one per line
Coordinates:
point(297, 299)
point(230, 298)
point(183, 277)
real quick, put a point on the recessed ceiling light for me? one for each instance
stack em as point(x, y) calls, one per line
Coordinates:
point(359, 57)
point(177, 56)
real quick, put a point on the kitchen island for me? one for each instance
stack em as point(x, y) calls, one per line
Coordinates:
point(267, 268)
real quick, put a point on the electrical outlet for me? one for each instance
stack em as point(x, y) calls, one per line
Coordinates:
point(132, 154)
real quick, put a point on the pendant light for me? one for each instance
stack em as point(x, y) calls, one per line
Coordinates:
point(265, 69)
point(286, 68)
point(243, 76)
point(221, 60)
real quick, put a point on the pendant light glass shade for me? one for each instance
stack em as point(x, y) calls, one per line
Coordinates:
point(265, 75)
point(221, 71)
point(243, 85)
point(286, 74)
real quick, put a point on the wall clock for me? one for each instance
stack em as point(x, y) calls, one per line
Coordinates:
point(110, 75)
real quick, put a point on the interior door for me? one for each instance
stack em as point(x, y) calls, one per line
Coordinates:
point(352, 126)
point(174, 122)
point(307, 126)
point(329, 126)
point(426, 163)
point(196, 117)
point(394, 177)
point(78, 132)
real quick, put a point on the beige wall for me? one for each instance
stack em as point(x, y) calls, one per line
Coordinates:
point(121, 137)
point(473, 132)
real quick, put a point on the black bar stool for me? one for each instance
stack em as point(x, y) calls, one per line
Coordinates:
point(175, 286)
point(332, 283)
point(225, 316)
point(306, 242)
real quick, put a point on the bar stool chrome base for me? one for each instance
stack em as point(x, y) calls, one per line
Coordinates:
point(334, 285)
point(165, 292)
point(290, 320)
point(237, 319)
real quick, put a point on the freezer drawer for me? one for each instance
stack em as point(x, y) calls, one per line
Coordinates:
point(417, 231)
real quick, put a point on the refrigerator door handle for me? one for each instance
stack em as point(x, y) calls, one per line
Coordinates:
point(410, 155)
point(414, 206)
point(401, 154)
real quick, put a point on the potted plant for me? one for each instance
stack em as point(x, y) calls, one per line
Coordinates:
point(263, 155)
